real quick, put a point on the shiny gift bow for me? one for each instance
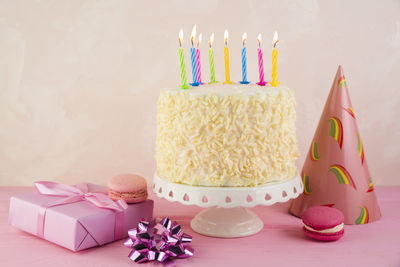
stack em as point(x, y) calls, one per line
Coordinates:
point(77, 193)
point(164, 241)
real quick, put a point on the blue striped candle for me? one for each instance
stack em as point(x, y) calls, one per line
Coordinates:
point(244, 61)
point(193, 58)
point(194, 67)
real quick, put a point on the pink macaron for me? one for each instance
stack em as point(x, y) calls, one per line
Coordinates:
point(323, 223)
point(129, 187)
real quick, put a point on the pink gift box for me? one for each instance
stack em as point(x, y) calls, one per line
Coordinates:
point(78, 225)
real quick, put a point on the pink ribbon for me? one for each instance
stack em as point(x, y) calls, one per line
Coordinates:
point(77, 193)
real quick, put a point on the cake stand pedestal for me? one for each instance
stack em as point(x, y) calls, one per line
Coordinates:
point(227, 214)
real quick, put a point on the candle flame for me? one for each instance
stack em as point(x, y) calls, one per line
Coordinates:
point(226, 37)
point(244, 38)
point(193, 36)
point(211, 41)
point(199, 40)
point(276, 39)
point(180, 37)
point(259, 39)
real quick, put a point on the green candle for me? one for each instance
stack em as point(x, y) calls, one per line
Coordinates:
point(182, 62)
point(211, 59)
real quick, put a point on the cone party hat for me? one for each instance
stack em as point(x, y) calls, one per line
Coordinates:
point(335, 172)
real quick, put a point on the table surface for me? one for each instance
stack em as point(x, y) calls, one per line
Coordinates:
point(280, 243)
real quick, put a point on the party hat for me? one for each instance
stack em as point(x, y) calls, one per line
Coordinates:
point(335, 172)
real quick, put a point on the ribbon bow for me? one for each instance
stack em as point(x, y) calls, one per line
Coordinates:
point(164, 241)
point(77, 193)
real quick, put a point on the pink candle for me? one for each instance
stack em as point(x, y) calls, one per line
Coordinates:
point(260, 62)
point(198, 64)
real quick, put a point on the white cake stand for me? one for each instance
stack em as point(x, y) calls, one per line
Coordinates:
point(227, 215)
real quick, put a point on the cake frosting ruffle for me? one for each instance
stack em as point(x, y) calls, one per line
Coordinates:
point(226, 135)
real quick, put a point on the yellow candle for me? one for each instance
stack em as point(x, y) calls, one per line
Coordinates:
point(275, 82)
point(226, 55)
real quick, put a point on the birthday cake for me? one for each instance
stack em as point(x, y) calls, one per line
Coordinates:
point(226, 135)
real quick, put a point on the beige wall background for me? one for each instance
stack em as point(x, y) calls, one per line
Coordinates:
point(79, 80)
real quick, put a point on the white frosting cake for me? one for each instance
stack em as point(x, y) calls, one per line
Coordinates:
point(226, 135)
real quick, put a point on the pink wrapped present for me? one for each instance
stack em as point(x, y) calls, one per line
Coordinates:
point(76, 217)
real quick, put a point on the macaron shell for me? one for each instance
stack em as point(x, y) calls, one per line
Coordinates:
point(323, 236)
point(132, 197)
point(127, 183)
point(130, 187)
point(322, 217)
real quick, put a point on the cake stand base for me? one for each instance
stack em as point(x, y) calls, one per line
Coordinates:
point(226, 222)
point(226, 214)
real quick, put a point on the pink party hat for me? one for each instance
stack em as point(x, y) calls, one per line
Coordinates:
point(335, 172)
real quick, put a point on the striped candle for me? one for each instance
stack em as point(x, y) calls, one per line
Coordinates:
point(193, 57)
point(183, 71)
point(211, 59)
point(182, 61)
point(198, 63)
point(244, 70)
point(260, 62)
point(244, 61)
point(194, 68)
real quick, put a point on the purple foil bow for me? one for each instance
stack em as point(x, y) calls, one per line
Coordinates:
point(164, 241)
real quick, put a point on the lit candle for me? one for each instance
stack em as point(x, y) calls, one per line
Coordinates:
point(226, 55)
point(244, 60)
point(275, 82)
point(198, 64)
point(260, 62)
point(182, 61)
point(193, 57)
point(211, 59)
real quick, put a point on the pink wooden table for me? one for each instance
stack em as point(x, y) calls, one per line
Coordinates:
point(280, 243)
